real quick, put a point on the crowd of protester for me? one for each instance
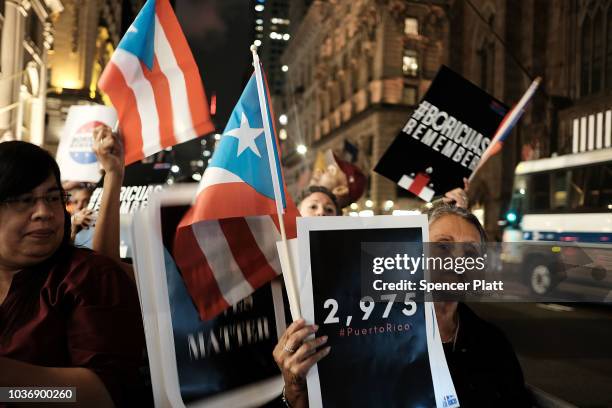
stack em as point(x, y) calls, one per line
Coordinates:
point(70, 316)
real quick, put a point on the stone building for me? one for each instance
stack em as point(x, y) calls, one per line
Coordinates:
point(27, 38)
point(87, 33)
point(501, 44)
point(272, 31)
point(355, 71)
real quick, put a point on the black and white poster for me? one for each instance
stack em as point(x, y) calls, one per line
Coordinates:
point(444, 138)
point(384, 351)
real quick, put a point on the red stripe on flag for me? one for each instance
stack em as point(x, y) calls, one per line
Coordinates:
point(114, 85)
point(290, 216)
point(199, 279)
point(247, 254)
point(496, 148)
point(163, 102)
point(419, 182)
point(250, 203)
point(198, 103)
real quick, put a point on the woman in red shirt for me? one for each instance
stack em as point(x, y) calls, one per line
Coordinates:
point(69, 317)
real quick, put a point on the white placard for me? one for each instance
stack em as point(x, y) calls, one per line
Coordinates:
point(75, 156)
point(369, 360)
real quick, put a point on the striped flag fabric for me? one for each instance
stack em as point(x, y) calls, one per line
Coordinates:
point(506, 126)
point(225, 246)
point(155, 85)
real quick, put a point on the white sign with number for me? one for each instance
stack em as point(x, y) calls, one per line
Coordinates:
point(385, 348)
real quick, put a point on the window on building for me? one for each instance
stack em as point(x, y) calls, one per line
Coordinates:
point(409, 96)
point(486, 57)
point(35, 30)
point(410, 63)
point(598, 53)
point(411, 26)
point(585, 57)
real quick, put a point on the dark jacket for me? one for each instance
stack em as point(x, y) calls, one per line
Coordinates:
point(484, 368)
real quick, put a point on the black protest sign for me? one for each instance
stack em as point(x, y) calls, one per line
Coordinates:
point(444, 138)
point(231, 352)
point(382, 345)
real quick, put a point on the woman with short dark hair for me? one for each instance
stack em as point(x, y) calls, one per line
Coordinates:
point(68, 317)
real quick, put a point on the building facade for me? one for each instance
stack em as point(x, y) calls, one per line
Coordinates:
point(27, 28)
point(356, 69)
point(272, 31)
point(87, 33)
point(568, 44)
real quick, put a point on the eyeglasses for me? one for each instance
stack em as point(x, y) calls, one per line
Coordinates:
point(28, 201)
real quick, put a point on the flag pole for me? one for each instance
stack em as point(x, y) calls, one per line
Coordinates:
point(509, 121)
point(290, 277)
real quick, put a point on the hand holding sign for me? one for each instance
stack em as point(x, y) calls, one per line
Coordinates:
point(458, 195)
point(295, 355)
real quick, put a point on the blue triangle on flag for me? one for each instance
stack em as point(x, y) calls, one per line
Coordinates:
point(140, 37)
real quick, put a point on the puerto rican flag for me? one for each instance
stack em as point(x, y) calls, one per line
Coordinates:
point(418, 185)
point(154, 83)
point(225, 246)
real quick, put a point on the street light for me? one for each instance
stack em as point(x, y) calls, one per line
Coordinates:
point(302, 149)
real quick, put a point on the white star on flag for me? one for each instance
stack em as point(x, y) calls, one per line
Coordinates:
point(246, 136)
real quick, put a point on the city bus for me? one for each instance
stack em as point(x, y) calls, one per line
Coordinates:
point(560, 203)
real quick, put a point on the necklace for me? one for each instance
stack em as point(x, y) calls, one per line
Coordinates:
point(454, 337)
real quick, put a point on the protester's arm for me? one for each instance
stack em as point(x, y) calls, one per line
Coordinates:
point(109, 150)
point(294, 355)
point(90, 391)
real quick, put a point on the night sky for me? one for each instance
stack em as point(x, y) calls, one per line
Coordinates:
point(219, 33)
